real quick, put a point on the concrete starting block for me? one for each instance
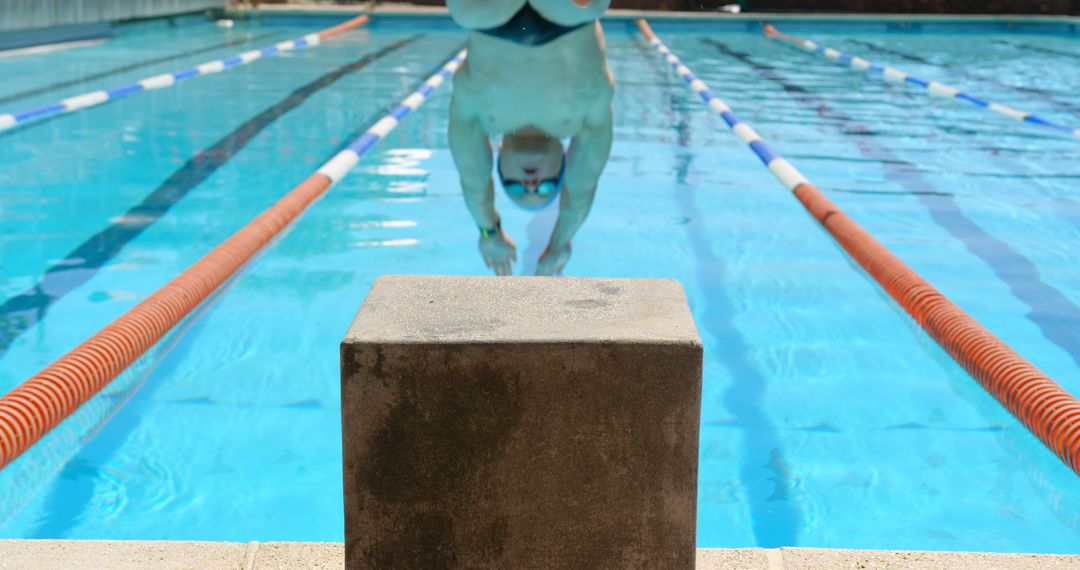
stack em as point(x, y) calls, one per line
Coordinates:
point(521, 423)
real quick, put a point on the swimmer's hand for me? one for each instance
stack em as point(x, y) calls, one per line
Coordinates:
point(499, 253)
point(553, 260)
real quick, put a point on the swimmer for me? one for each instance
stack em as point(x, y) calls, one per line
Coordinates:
point(535, 74)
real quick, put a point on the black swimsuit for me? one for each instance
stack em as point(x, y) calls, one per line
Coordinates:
point(529, 28)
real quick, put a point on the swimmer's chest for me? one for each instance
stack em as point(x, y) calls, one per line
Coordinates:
point(553, 87)
point(551, 112)
point(557, 104)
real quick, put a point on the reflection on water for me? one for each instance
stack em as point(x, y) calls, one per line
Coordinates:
point(829, 419)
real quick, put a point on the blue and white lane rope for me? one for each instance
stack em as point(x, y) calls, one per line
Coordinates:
point(1044, 407)
point(782, 169)
point(337, 167)
point(40, 403)
point(95, 98)
point(932, 87)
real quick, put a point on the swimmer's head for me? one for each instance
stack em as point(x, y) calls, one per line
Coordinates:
point(530, 167)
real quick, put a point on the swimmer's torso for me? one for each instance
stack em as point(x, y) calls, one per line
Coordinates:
point(554, 86)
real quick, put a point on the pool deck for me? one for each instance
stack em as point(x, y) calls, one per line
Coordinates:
point(123, 555)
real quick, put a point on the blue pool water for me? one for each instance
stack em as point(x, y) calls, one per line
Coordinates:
point(829, 418)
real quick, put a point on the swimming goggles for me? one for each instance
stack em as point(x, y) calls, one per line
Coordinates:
point(548, 187)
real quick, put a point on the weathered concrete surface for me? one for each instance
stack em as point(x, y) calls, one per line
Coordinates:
point(832, 559)
point(521, 423)
point(147, 555)
point(119, 554)
point(733, 559)
point(289, 555)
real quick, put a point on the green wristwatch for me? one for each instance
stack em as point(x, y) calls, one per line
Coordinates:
point(488, 232)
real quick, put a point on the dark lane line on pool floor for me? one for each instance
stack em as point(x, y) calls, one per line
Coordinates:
point(1039, 49)
point(776, 521)
point(1055, 314)
point(130, 67)
point(73, 479)
point(20, 312)
point(1040, 94)
point(71, 492)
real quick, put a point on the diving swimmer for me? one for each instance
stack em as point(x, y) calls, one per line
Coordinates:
point(535, 74)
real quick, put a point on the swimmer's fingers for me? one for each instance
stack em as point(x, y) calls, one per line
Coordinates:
point(503, 268)
point(499, 253)
point(500, 266)
point(543, 267)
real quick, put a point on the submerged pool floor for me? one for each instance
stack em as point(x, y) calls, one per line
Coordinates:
point(830, 419)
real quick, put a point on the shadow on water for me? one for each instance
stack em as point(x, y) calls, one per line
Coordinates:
point(1040, 94)
point(22, 311)
point(70, 463)
point(72, 491)
point(766, 477)
point(1055, 314)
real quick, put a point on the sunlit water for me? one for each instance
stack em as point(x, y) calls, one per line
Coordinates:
point(829, 418)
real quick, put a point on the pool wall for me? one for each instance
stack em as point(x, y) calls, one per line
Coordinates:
point(921, 6)
point(822, 24)
point(47, 13)
point(896, 6)
point(26, 24)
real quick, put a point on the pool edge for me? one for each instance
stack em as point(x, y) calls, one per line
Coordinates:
point(123, 554)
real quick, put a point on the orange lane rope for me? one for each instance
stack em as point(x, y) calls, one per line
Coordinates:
point(1045, 408)
point(1050, 412)
point(40, 403)
point(344, 26)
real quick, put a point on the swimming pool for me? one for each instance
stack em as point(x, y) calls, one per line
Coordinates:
point(829, 418)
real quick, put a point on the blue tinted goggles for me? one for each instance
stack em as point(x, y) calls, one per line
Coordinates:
point(548, 187)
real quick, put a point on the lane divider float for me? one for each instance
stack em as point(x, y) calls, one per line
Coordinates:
point(70, 81)
point(932, 87)
point(41, 402)
point(95, 98)
point(1046, 409)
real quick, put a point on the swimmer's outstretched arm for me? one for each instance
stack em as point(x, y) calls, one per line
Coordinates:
point(589, 151)
point(471, 150)
point(483, 14)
